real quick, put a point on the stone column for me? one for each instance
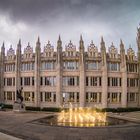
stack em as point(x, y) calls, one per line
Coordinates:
point(97, 97)
point(37, 72)
point(138, 43)
point(2, 57)
point(124, 75)
point(104, 74)
point(17, 68)
point(59, 69)
point(82, 72)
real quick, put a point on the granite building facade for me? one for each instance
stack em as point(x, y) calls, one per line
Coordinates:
point(82, 78)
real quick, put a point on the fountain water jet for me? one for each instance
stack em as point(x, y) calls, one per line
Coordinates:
point(81, 117)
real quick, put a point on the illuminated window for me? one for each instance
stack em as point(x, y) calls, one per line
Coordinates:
point(9, 95)
point(27, 96)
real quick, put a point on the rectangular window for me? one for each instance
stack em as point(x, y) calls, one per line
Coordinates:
point(41, 96)
point(132, 97)
point(114, 97)
point(9, 95)
point(21, 81)
point(100, 81)
point(4, 81)
point(70, 65)
point(26, 81)
point(50, 81)
point(48, 96)
point(41, 81)
point(92, 65)
point(113, 66)
point(87, 84)
point(27, 96)
point(9, 81)
point(70, 81)
point(33, 96)
point(54, 97)
point(33, 81)
point(100, 97)
point(48, 65)
point(14, 81)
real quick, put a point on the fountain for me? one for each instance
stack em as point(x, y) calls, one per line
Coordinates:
point(81, 117)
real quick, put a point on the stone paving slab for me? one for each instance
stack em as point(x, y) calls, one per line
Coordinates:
point(19, 125)
point(7, 137)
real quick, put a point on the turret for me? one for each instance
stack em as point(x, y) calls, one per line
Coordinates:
point(38, 46)
point(2, 55)
point(19, 46)
point(103, 51)
point(3, 49)
point(37, 71)
point(81, 50)
point(59, 45)
point(122, 54)
point(122, 50)
point(59, 49)
point(138, 38)
point(138, 43)
point(81, 45)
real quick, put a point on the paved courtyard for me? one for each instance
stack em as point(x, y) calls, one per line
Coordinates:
point(20, 125)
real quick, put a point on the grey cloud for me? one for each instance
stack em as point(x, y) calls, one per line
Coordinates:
point(49, 18)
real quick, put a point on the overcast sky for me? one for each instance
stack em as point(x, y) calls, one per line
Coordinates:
point(28, 19)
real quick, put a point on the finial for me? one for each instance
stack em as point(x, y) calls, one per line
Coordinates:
point(112, 44)
point(102, 40)
point(121, 42)
point(48, 42)
point(11, 46)
point(81, 38)
point(91, 41)
point(19, 42)
point(59, 38)
point(3, 44)
point(28, 43)
point(130, 46)
point(38, 40)
point(70, 41)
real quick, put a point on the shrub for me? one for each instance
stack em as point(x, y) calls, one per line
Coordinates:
point(118, 110)
point(33, 108)
point(51, 109)
point(8, 106)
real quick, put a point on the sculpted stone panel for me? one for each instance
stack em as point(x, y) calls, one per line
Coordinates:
point(28, 51)
point(48, 50)
point(112, 51)
point(131, 54)
point(92, 50)
point(10, 53)
point(70, 49)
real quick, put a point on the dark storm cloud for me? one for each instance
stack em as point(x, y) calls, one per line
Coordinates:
point(111, 18)
point(34, 11)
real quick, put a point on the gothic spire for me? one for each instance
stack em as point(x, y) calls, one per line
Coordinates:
point(3, 45)
point(38, 45)
point(102, 40)
point(59, 43)
point(38, 40)
point(81, 38)
point(102, 44)
point(81, 44)
point(19, 46)
point(59, 38)
point(121, 46)
point(19, 42)
point(138, 37)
